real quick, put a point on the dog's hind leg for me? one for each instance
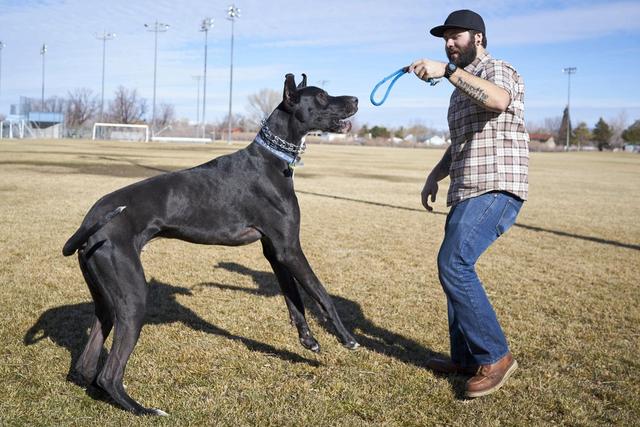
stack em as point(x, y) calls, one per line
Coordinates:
point(123, 277)
point(87, 363)
point(292, 298)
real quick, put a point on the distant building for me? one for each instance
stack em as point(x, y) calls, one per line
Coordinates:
point(436, 140)
point(545, 139)
point(25, 121)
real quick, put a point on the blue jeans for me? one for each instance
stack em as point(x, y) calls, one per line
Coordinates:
point(472, 225)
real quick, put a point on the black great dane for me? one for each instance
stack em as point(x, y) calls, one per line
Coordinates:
point(232, 200)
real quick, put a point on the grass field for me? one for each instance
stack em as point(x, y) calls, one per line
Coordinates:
point(218, 348)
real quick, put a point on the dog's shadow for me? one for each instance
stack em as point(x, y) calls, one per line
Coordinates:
point(68, 325)
point(368, 334)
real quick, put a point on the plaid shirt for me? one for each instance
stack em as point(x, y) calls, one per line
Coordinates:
point(489, 151)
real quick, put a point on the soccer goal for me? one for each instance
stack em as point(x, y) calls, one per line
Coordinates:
point(121, 132)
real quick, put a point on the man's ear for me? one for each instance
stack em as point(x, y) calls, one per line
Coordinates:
point(290, 94)
point(303, 83)
point(478, 39)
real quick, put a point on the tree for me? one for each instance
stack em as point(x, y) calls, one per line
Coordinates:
point(564, 125)
point(380, 132)
point(167, 114)
point(238, 122)
point(602, 134)
point(581, 135)
point(261, 104)
point(632, 133)
point(549, 125)
point(127, 107)
point(617, 125)
point(81, 106)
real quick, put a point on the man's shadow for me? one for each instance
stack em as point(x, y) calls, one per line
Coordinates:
point(68, 325)
point(367, 333)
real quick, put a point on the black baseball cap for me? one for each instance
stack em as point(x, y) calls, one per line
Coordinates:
point(465, 19)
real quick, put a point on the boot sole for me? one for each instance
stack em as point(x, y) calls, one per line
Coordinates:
point(512, 368)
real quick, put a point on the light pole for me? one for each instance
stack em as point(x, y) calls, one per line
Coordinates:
point(197, 79)
point(104, 37)
point(232, 13)
point(156, 27)
point(43, 51)
point(568, 71)
point(207, 24)
point(2, 45)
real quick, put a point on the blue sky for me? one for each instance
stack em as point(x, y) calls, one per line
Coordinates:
point(347, 46)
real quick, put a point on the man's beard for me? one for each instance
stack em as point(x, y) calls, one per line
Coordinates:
point(466, 55)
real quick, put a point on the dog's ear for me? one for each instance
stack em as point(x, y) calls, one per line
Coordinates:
point(303, 83)
point(290, 95)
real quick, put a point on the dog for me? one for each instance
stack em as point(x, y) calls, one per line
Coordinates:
point(231, 200)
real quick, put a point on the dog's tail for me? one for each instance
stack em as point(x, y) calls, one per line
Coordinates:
point(83, 233)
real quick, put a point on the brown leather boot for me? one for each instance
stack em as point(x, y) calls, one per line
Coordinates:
point(446, 366)
point(490, 378)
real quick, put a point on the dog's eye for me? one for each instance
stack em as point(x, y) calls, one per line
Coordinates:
point(322, 98)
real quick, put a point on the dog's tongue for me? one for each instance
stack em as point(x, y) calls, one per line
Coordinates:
point(346, 126)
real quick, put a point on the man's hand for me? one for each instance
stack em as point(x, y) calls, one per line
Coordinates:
point(430, 189)
point(427, 69)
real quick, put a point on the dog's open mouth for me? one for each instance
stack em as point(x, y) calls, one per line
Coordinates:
point(343, 126)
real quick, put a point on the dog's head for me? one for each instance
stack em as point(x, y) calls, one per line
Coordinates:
point(313, 109)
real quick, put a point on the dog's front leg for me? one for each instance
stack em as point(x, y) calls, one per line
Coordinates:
point(292, 298)
point(296, 263)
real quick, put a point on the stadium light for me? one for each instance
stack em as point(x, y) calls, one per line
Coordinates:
point(207, 24)
point(156, 27)
point(43, 51)
point(568, 71)
point(104, 37)
point(232, 14)
point(197, 79)
point(2, 45)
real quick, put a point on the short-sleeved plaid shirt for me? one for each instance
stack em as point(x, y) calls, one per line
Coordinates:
point(489, 151)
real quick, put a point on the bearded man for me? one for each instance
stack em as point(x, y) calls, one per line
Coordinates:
point(487, 163)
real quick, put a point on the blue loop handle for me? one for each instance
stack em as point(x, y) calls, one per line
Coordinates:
point(395, 77)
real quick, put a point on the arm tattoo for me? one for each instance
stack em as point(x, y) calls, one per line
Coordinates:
point(473, 91)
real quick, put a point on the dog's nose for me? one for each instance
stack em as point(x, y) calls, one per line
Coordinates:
point(354, 102)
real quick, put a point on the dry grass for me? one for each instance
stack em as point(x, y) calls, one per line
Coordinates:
point(218, 348)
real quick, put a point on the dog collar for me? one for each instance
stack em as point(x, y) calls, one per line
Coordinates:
point(280, 154)
point(279, 147)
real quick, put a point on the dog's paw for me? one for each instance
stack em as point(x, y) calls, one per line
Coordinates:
point(310, 343)
point(351, 344)
point(153, 412)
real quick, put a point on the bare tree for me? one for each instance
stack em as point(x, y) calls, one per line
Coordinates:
point(167, 114)
point(549, 125)
point(261, 104)
point(618, 124)
point(81, 106)
point(127, 107)
point(238, 123)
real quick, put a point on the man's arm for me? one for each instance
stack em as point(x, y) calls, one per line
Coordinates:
point(481, 91)
point(439, 172)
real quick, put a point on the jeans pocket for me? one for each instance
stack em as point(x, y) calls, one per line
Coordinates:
point(509, 214)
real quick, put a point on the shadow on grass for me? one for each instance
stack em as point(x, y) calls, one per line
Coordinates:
point(525, 226)
point(67, 326)
point(367, 333)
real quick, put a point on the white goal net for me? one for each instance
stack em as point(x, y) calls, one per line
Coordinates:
point(121, 132)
